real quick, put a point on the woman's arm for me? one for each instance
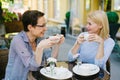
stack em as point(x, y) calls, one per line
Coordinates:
point(55, 48)
point(38, 54)
point(47, 43)
point(100, 41)
point(55, 51)
point(104, 49)
point(100, 52)
point(24, 53)
point(74, 50)
point(77, 44)
point(108, 47)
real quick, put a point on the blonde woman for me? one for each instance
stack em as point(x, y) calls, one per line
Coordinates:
point(95, 45)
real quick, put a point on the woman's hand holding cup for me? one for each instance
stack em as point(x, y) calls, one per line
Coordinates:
point(86, 37)
point(80, 39)
point(51, 41)
point(58, 39)
point(83, 37)
point(54, 38)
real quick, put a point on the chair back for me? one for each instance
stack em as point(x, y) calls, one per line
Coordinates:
point(108, 65)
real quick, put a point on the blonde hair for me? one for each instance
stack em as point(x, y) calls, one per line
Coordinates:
point(100, 18)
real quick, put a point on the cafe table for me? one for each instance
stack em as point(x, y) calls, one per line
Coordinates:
point(70, 66)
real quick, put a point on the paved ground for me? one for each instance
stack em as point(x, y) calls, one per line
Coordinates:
point(69, 41)
point(64, 49)
point(115, 66)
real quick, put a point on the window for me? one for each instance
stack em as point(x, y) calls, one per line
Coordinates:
point(56, 9)
point(116, 4)
point(87, 4)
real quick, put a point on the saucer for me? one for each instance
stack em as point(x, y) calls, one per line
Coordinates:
point(86, 69)
point(59, 73)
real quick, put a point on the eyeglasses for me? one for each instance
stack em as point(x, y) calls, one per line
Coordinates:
point(43, 25)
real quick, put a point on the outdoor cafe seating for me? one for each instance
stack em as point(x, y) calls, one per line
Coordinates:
point(62, 75)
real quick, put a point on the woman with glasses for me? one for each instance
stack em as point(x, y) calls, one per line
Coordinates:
point(26, 51)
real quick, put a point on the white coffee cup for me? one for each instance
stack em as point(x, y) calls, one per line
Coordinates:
point(86, 36)
point(54, 38)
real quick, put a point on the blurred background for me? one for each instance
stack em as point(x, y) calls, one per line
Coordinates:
point(67, 17)
point(67, 13)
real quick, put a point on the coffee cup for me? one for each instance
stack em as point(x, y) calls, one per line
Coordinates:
point(54, 38)
point(86, 36)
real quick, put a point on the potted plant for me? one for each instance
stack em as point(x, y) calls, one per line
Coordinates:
point(114, 27)
point(67, 22)
point(9, 16)
point(113, 23)
point(112, 17)
point(6, 15)
point(11, 22)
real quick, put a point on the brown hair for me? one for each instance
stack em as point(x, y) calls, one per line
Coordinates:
point(30, 17)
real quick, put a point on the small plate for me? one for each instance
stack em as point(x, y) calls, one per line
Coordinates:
point(86, 69)
point(58, 73)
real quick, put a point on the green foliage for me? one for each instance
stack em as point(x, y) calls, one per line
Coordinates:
point(5, 14)
point(1, 11)
point(67, 15)
point(6, 0)
point(0, 4)
point(9, 16)
point(112, 17)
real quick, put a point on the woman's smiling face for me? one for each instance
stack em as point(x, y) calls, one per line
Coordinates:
point(92, 27)
point(40, 27)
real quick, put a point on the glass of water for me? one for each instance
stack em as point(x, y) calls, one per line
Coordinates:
point(79, 61)
point(52, 66)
